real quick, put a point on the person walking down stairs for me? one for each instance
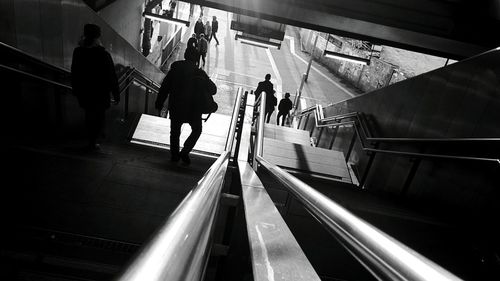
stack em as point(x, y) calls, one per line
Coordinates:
point(284, 109)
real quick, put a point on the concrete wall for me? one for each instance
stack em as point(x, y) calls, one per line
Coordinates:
point(460, 100)
point(364, 77)
point(125, 17)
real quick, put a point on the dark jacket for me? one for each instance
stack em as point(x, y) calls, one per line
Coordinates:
point(93, 77)
point(179, 86)
point(199, 28)
point(215, 26)
point(202, 46)
point(285, 105)
point(192, 43)
point(264, 86)
point(271, 102)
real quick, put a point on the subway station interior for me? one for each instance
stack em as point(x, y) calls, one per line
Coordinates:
point(375, 175)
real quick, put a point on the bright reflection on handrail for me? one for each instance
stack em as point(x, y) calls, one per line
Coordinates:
point(381, 254)
point(180, 249)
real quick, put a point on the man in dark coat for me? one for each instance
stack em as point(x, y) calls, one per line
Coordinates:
point(199, 28)
point(267, 87)
point(179, 86)
point(93, 78)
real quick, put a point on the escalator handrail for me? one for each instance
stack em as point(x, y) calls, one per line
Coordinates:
point(153, 84)
point(68, 87)
point(132, 72)
point(382, 255)
point(385, 257)
point(327, 121)
point(181, 248)
point(366, 135)
point(36, 77)
point(234, 120)
point(38, 61)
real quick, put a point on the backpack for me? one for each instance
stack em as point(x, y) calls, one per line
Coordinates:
point(205, 88)
point(203, 46)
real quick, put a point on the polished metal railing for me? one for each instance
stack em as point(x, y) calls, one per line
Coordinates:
point(382, 255)
point(126, 79)
point(181, 248)
point(129, 76)
point(363, 133)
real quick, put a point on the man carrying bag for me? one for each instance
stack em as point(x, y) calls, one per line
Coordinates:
point(187, 88)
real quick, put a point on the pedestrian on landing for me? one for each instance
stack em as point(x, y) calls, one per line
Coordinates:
point(199, 28)
point(215, 28)
point(93, 79)
point(208, 31)
point(284, 109)
point(264, 86)
point(180, 86)
point(271, 102)
point(202, 48)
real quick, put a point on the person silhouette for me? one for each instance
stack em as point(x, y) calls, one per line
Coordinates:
point(267, 87)
point(284, 109)
point(202, 48)
point(215, 29)
point(181, 87)
point(271, 102)
point(93, 78)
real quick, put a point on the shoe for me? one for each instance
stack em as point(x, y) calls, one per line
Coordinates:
point(185, 159)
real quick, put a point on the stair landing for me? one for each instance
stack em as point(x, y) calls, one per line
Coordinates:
point(155, 131)
point(290, 148)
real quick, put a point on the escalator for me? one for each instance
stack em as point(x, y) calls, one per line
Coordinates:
point(72, 215)
point(80, 216)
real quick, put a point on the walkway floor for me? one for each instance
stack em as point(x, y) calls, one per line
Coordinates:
point(155, 131)
point(232, 65)
point(291, 149)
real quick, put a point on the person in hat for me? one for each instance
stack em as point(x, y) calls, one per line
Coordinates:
point(94, 81)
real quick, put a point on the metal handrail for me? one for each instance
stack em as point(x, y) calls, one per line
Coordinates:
point(306, 111)
point(181, 248)
point(152, 86)
point(32, 58)
point(259, 140)
point(385, 257)
point(234, 119)
point(36, 77)
point(149, 80)
point(67, 87)
point(328, 122)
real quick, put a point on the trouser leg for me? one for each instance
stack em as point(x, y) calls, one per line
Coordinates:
point(193, 137)
point(175, 133)
point(268, 115)
point(215, 37)
point(94, 122)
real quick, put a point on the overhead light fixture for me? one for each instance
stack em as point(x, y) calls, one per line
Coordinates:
point(257, 42)
point(340, 56)
point(152, 16)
